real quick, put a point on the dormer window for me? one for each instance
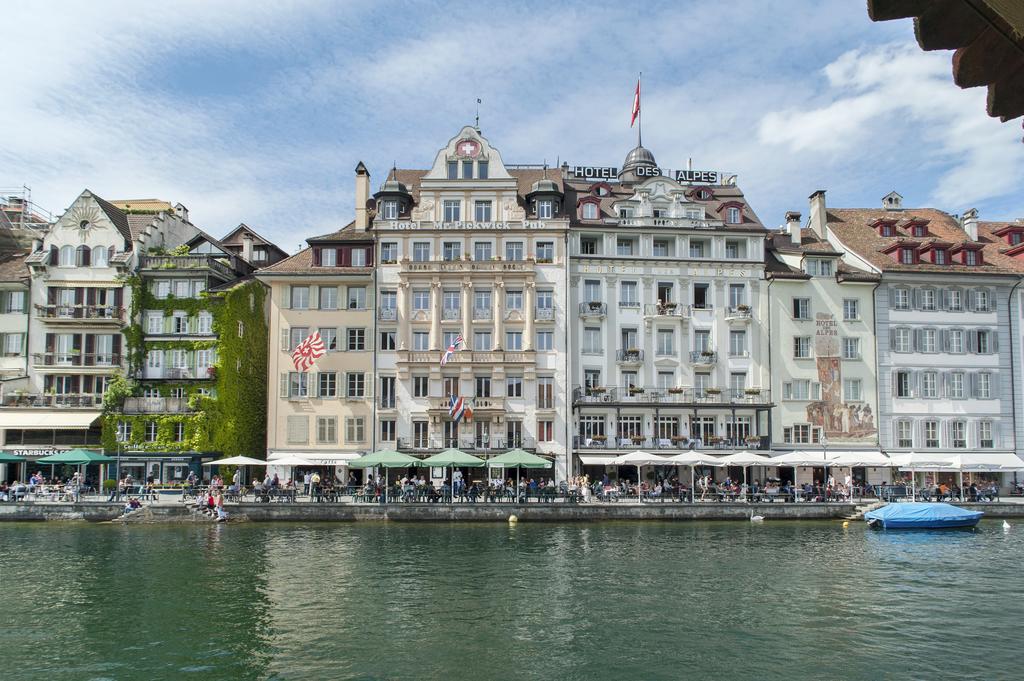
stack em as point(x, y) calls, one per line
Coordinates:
point(481, 170)
point(453, 170)
point(1015, 238)
point(589, 211)
point(625, 212)
point(703, 194)
point(888, 230)
point(818, 267)
point(918, 231)
point(601, 189)
point(660, 213)
point(328, 257)
point(545, 209)
point(389, 210)
point(971, 258)
point(467, 170)
point(908, 255)
point(732, 215)
point(939, 256)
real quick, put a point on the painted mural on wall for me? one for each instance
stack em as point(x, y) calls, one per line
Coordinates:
point(841, 422)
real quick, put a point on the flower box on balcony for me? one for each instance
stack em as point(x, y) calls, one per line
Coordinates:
point(713, 391)
point(679, 438)
point(707, 353)
point(752, 439)
point(544, 261)
point(752, 391)
point(676, 391)
point(595, 305)
point(638, 440)
point(743, 308)
point(714, 440)
point(636, 391)
point(599, 438)
point(597, 390)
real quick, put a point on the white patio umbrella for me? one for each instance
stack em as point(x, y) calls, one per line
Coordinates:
point(693, 459)
point(640, 458)
point(868, 458)
point(915, 461)
point(290, 462)
point(745, 459)
point(238, 461)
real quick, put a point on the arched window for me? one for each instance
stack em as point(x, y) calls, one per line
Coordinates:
point(67, 256)
point(99, 256)
point(82, 256)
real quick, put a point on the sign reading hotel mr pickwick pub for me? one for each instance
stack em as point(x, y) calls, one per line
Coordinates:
point(611, 173)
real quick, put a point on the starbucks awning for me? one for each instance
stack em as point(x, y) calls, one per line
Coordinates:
point(47, 418)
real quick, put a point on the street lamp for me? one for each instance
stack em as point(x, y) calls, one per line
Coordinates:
point(823, 441)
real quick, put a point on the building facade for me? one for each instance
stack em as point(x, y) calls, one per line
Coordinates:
point(325, 413)
point(471, 247)
point(942, 324)
point(668, 303)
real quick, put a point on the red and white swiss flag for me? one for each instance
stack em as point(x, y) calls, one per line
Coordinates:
point(636, 104)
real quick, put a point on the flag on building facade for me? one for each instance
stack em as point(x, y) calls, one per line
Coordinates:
point(308, 351)
point(459, 409)
point(636, 104)
point(452, 349)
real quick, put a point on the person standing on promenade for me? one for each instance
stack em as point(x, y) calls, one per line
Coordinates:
point(307, 483)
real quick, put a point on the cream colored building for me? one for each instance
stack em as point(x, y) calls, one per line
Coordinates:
point(324, 414)
point(823, 351)
point(472, 247)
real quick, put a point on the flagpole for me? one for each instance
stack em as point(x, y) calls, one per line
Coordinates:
point(639, 113)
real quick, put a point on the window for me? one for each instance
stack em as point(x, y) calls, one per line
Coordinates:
point(958, 432)
point(661, 248)
point(179, 323)
point(928, 299)
point(800, 434)
point(514, 250)
point(467, 170)
point(387, 392)
point(355, 429)
point(513, 386)
point(545, 340)
point(297, 334)
point(666, 342)
point(355, 384)
point(904, 434)
point(737, 295)
point(12, 344)
point(901, 340)
point(802, 308)
point(592, 340)
point(330, 338)
point(327, 384)
point(929, 385)
point(954, 300)
point(452, 210)
point(697, 248)
point(67, 256)
point(450, 386)
point(801, 347)
point(329, 257)
point(481, 170)
point(546, 300)
point(545, 251)
point(928, 340)
point(901, 299)
point(931, 433)
point(326, 429)
point(591, 378)
point(389, 210)
point(154, 323)
point(851, 309)
point(356, 339)
point(956, 340)
point(701, 340)
point(801, 389)
point(738, 343)
point(388, 430)
point(453, 170)
point(298, 429)
point(628, 294)
point(818, 267)
point(970, 258)
point(588, 246)
point(983, 386)
point(15, 301)
point(737, 384)
point(514, 340)
point(592, 290)
point(985, 438)
point(981, 300)
point(851, 348)
point(514, 299)
point(732, 215)
point(420, 300)
point(589, 211)
point(482, 211)
point(298, 384)
point(482, 341)
point(451, 250)
point(205, 323)
point(902, 387)
point(984, 341)
point(421, 251)
point(956, 385)
point(514, 433)
point(420, 430)
point(357, 297)
point(624, 247)
point(907, 256)
point(939, 256)
point(179, 432)
point(388, 252)
point(735, 249)
point(545, 209)
point(300, 297)
point(483, 386)
point(420, 386)
point(420, 340)
point(591, 426)
point(482, 250)
point(387, 340)
point(545, 392)
point(545, 430)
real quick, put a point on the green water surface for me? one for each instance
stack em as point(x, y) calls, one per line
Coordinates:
point(785, 600)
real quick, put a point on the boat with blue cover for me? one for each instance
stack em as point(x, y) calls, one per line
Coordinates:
point(921, 516)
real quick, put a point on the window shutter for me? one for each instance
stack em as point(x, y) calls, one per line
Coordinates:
point(972, 341)
point(90, 349)
point(116, 347)
point(24, 344)
point(283, 389)
point(944, 340)
point(969, 302)
point(916, 340)
point(944, 299)
point(892, 340)
point(972, 388)
point(51, 296)
point(915, 299)
point(314, 385)
point(284, 340)
point(316, 257)
point(914, 382)
point(118, 297)
point(314, 297)
point(86, 256)
point(4, 302)
point(79, 296)
point(993, 341)
point(286, 296)
point(945, 384)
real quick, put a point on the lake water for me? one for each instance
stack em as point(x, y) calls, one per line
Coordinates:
point(793, 600)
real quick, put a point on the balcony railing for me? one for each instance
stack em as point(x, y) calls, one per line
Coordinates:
point(680, 395)
point(467, 265)
point(92, 313)
point(674, 310)
point(468, 357)
point(545, 314)
point(629, 355)
point(61, 359)
point(703, 357)
point(593, 309)
point(474, 403)
point(491, 444)
point(185, 262)
point(723, 444)
point(482, 313)
point(52, 400)
point(155, 405)
point(387, 314)
point(449, 314)
point(738, 313)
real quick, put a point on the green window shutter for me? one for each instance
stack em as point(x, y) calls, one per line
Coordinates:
point(284, 385)
point(286, 296)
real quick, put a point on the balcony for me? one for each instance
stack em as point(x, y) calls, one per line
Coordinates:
point(545, 314)
point(466, 265)
point(433, 357)
point(77, 359)
point(593, 310)
point(420, 315)
point(629, 356)
point(482, 314)
point(155, 405)
point(689, 396)
point(387, 314)
point(667, 311)
point(185, 262)
point(703, 357)
point(738, 315)
point(722, 444)
point(52, 400)
point(477, 404)
point(92, 314)
point(492, 444)
point(451, 315)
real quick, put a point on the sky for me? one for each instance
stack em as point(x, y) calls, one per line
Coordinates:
point(258, 112)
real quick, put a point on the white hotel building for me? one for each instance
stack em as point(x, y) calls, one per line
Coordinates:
point(472, 247)
point(667, 303)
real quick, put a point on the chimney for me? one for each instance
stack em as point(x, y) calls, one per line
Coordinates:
point(362, 197)
point(818, 217)
point(970, 224)
point(247, 246)
point(793, 226)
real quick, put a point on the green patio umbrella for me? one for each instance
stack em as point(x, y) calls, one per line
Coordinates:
point(450, 458)
point(386, 458)
point(77, 457)
point(518, 458)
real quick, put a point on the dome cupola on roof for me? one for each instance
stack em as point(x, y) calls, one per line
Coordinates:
point(638, 158)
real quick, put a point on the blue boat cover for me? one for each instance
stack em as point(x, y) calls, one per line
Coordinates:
point(923, 515)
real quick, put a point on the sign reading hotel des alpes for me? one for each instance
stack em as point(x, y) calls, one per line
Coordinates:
point(611, 173)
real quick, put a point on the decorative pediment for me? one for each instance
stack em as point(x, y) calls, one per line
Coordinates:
point(468, 145)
